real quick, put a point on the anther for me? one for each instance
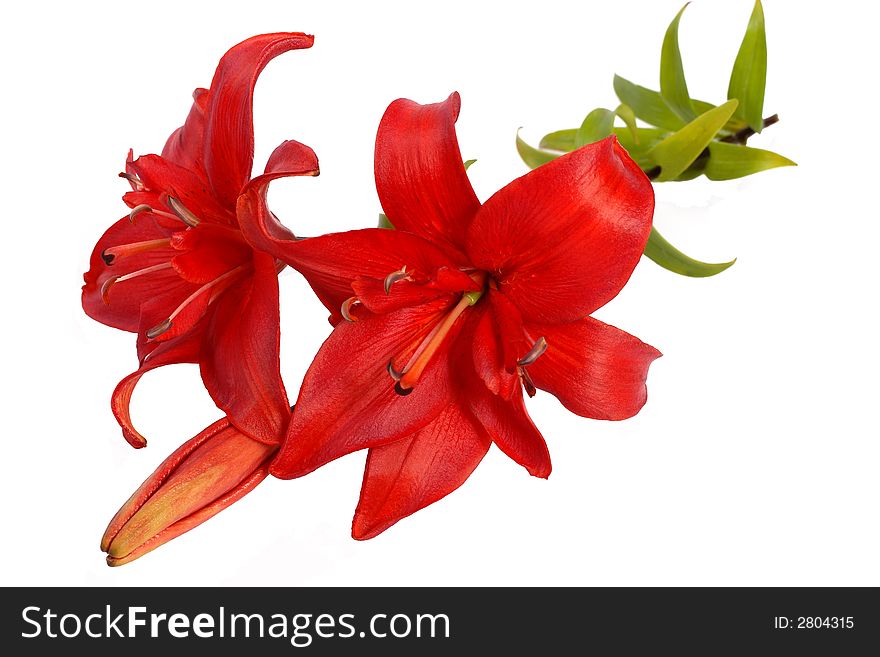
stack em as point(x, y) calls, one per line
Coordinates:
point(105, 288)
point(345, 309)
point(535, 352)
point(527, 382)
point(136, 210)
point(183, 212)
point(395, 276)
point(393, 373)
point(110, 254)
point(400, 390)
point(159, 329)
point(134, 180)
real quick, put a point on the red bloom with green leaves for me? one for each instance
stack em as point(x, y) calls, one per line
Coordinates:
point(179, 272)
point(461, 308)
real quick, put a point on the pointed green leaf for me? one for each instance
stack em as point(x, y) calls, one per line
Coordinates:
point(468, 163)
point(678, 151)
point(749, 75)
point(561, 140)
point(625, 112)
point(650, 107)
point(531, 155)
point(647, 104)
point(728, 161)
point(673, 86)
point(668, 257)
point(384, 223)
point(598, 125)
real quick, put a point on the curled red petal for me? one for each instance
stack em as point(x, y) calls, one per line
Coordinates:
point(563, 240)
point(240, 362)
point(420, 176)
point(229, 130)
point(595, 370)
point(258, 224)
point(184, 349)
point(408, 475)
point(347, 400)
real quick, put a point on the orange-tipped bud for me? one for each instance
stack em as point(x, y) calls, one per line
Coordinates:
point(204, 476)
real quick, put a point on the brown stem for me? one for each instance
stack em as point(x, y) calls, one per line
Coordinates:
point(742, 136)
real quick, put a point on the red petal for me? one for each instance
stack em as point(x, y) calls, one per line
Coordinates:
point(184, 349)
point(595, 370)
point(511, 428)
point(332, 262)
point(347, 400)
point(185, 146)
point(412, 473)
point(563, 240)
point(123, 311)
point(239, 363)
point(229, 132)
point(420, 175)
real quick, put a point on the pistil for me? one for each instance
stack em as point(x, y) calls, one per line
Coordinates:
point(410, 374)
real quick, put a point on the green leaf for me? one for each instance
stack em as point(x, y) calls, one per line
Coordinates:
point(668, 257)
point(650, 107)
point(678, 151)
point(384, 223)
point(647, 104)
point(561, 140)
point(728, 161)
point(673, 87)
point(749, 75)
point(531, 155)
point(598, 125)
point(468, 163)
point(625, 112)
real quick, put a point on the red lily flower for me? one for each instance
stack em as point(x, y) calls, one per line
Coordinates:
point(178, 271)
point(204, 476)
point(459, 309)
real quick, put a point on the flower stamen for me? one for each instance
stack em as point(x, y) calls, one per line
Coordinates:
point(345, 309)
point(166, 324)
point(143, 207)
point(399, 275)
point(527, 381)
point(109, 255)
point(182, 212)
point(113, 280)
point(136, 182)
point(534, 353)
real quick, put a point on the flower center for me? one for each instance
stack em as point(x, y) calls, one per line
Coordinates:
point(406, 379)
point(180, 213)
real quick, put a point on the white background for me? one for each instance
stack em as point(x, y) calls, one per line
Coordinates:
point(755, 460)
